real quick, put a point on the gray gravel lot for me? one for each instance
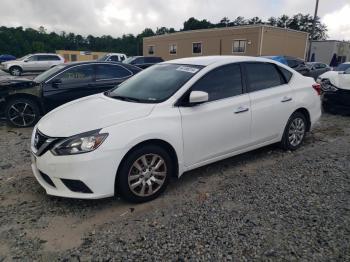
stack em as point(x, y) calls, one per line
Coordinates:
point(263, 205)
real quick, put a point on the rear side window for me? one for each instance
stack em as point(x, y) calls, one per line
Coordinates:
point(220, 83)
point(48, 58)
point(111, 71)
point(77, 74)
point(261, 76)
point(286, 74)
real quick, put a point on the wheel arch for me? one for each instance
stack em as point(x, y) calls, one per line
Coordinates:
point(12, 66)
point(159, 142)
point(26, 96)
point(306, 113)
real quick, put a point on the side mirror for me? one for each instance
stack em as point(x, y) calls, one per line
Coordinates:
point(25, 61)
point(198, 97)
point(56, 82)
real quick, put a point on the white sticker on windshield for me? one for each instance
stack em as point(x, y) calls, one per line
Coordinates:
point(188, 69)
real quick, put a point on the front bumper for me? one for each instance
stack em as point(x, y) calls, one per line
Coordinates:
point(338, 101)
point(97, 170)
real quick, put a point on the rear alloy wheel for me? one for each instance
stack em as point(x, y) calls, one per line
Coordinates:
point(144, 174)
point(22, 112)
point(294, 132)
point(15, 71)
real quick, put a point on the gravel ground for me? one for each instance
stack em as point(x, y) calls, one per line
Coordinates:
point(263, 205)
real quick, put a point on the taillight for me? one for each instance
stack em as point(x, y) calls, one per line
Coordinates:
point(317, 88)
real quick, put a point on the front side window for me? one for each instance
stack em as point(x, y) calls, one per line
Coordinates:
point(77, 74)
point(197, 48)
point(32, 58)
point(151, 49)
point(155, 84)
point(111, 71)
point(262, 76)
point(173, 49)
point(48, 74)
point(221, 82)
point(239, 46)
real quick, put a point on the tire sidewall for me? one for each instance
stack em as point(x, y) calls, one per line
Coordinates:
point(285, 140)
point(122, 184)
point(30, 102)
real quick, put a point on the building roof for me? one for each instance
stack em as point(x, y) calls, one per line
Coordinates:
point(227, 28)
point(208, 60)
point(337, 41)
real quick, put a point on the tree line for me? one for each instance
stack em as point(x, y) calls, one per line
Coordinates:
point(20, 41)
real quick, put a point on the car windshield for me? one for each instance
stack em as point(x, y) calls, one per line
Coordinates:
point(342, 67)
point(128, 60)
point(24, 57)
point(155, 84)
point(48, 73)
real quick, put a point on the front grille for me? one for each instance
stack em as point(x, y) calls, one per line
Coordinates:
point(47, 179)
point(39, 139)
point(43, 143)
point(76, 186)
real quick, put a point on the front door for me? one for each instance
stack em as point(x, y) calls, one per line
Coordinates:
point(74, 83)
point(221, 125)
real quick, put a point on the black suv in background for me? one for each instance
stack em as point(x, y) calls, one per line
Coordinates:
point(22, 101)
point(143, 61)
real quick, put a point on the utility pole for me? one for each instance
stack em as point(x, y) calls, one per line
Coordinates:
point(312, 31)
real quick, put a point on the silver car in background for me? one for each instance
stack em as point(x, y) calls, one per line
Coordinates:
point(32, 63)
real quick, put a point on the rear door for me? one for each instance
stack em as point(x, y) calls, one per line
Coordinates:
point(221, 125)
point(108, 76)
point(71, 84)
point(271, 100)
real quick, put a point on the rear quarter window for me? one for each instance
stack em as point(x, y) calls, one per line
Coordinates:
point(286, 74)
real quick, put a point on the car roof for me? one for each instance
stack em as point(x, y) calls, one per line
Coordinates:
point(44, 54)
point(92, 62)
point(208, 60)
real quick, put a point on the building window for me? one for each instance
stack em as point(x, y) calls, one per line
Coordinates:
point(239, 46)
point(151, 49)
point(196, 48)
point(173, 49)
point(73, 57)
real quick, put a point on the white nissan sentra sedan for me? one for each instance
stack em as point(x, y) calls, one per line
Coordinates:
point(168, 119)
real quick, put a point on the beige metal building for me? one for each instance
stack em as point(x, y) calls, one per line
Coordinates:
point(251, 40)
point(71, 56)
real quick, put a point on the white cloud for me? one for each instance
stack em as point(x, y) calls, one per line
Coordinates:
point(338, 23)
point(117, 17)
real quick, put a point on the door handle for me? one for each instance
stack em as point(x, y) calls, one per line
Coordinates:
point(241, 109)
point(286, 99)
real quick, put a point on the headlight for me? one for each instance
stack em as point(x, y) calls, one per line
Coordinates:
point(327, 86)
point(79, 144)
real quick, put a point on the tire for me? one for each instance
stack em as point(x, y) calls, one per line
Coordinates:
point(22, 112)
point(15, 70)
point(133, 177)
point(294, 132)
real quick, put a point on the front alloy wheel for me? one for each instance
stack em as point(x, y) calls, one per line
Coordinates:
point(22, 112)
point(147, 175)
point(144, 173)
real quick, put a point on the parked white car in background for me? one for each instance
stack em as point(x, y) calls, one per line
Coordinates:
point(32, 63)
point(113, 57)
point(168, 119)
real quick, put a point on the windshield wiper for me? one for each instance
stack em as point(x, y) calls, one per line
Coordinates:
point(125, 98)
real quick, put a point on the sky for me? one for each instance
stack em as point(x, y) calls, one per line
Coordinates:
point(118, 17)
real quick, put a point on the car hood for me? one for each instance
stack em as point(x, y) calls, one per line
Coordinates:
point(90, 113)
point(15, 81)
point(333, 77)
